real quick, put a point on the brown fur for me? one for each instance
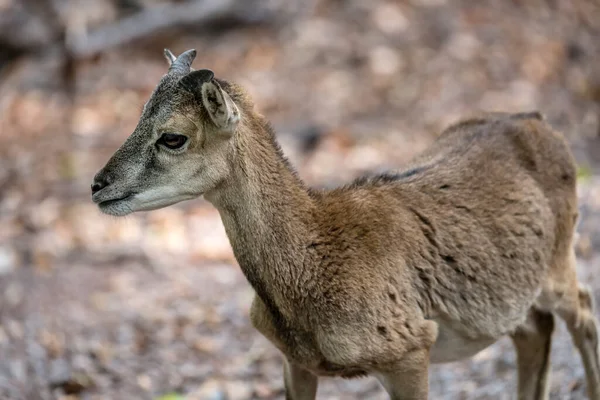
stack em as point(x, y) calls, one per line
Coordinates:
point(469, 242)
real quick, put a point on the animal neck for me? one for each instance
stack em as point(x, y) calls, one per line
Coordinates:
point(267, 211)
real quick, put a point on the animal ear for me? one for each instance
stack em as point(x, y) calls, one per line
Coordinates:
point(170, 56)
point(219, 105)
point(193, 81)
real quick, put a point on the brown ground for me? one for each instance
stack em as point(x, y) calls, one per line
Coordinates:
point(98, 308)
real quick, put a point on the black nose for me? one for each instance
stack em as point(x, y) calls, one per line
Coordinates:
point(99, 184)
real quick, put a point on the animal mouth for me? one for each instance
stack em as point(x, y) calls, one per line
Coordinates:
point(107, 203)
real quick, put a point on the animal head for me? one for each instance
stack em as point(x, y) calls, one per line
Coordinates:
point(180, 148)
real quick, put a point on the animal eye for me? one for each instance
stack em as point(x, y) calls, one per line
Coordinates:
point(172, 140)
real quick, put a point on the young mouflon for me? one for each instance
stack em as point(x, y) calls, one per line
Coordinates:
point(470, 242)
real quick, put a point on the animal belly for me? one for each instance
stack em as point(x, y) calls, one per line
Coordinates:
point(453, 345)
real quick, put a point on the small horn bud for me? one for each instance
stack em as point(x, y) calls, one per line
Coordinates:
point(183, 64)
point(169, 56)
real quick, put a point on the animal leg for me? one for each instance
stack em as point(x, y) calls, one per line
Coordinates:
point(583, 326)
point(533, 342)
point(410, 379)
point(299, 383)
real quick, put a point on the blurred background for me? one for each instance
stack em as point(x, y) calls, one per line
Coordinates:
point(153, 306)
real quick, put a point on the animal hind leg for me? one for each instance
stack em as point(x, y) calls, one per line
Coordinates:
point(532, 342)
point(574, 304)
point(583, 326)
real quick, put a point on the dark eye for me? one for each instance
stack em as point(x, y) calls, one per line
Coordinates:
point(172, 140)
